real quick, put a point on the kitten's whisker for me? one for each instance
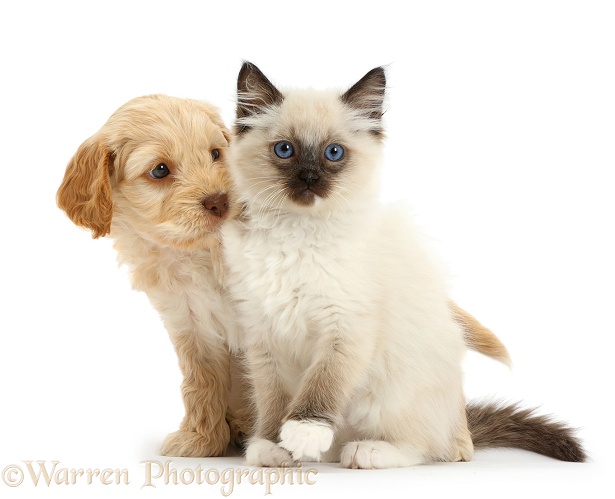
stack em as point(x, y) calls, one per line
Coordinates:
point(342, 187)
point(264, 189)
point(273, 180)
point(267, 202)
point(267, 205)
point(280, 204)
point(267, 180)
point(266, 177)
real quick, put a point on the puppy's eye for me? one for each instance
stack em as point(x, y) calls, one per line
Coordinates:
point(334, 152)
point(160, 171)
point(284, 149)
point(215, 154)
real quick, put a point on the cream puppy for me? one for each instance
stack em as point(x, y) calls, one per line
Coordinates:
point(154, 179)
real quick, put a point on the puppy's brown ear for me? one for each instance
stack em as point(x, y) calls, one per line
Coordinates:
point(85, 193)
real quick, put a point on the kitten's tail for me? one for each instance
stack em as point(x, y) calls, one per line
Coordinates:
point(499, 425)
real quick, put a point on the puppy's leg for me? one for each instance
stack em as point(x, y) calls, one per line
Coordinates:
point(204, 431)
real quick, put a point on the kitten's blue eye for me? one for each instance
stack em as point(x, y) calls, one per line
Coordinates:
point(284, 149)
point(334, 152)
point(160, 171)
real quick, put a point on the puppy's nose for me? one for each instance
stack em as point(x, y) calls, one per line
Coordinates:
point(217, 204)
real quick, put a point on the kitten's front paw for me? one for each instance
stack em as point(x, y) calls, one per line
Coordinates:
point(377, 454)
point(306, 439)
point(361, 455)
point(261, 452)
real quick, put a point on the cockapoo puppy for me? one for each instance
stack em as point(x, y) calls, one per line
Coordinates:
point(154, 179)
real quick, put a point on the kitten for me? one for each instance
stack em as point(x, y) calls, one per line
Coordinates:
point(353, 351)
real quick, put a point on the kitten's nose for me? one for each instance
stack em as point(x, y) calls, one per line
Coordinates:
point(217, 204)
point(310, 177)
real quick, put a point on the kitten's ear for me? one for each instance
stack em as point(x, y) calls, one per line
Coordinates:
point(255, 93)
point(367, 96)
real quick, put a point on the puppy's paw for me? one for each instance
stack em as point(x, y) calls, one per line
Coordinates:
point(185, 443)
point(306, 439)
point(261, 452)
point(376, 454)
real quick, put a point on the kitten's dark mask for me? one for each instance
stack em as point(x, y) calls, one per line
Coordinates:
point(309, 170)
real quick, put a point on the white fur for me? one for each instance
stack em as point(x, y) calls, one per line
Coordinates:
point(306, 439)
point(261, 452)
point(354, 270)
point(376, 454)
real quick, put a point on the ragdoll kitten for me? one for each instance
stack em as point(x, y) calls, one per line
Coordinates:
point(353, 352)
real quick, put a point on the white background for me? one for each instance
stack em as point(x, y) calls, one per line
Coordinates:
point(501, 128)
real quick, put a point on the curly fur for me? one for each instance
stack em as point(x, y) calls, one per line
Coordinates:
point(168, 239)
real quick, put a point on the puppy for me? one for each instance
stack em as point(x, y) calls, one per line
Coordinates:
point(154, 179)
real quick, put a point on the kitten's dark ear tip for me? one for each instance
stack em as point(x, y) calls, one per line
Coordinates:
point(378, 74)
point(249, 71)
point(367, 96)
point(247, 65)
point(246, 68)
point(254, 91)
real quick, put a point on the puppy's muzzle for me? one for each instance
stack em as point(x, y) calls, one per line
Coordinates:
point(216, 204)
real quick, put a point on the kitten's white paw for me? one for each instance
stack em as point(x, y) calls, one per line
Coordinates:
point(376, 454)
point(261, 452)
point(306, 439)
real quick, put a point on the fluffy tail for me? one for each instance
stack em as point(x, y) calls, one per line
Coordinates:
point(478, 337)
point(497, 425)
